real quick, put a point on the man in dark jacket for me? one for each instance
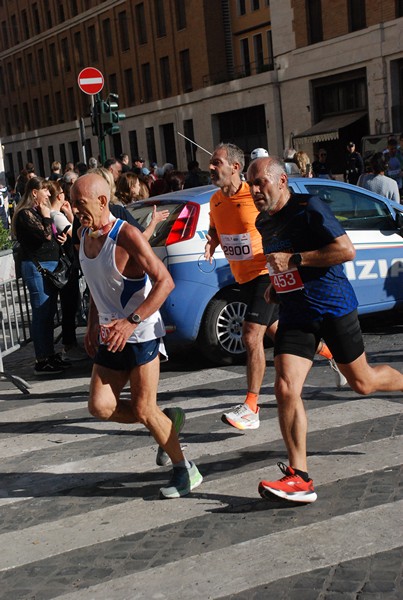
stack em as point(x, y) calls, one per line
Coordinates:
point(354, 164)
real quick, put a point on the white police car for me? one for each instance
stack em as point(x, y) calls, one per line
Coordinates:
point(206, 305)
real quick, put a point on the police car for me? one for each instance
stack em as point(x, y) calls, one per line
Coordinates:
point(207, 306)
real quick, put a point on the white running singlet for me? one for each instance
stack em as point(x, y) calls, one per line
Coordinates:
point(117, 296)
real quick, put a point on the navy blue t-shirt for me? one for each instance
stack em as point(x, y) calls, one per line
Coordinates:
point(307, 223)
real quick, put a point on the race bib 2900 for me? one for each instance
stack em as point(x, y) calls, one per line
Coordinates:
point(237, 246)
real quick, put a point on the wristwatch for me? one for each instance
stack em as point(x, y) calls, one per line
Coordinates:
point(296, 259)
point(134, 319)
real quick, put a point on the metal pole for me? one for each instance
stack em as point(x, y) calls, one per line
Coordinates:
point(192, 142)
point(101, 136)
point(82, 136)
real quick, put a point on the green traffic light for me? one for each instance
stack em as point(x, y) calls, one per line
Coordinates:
point(110, 116)
point(117, 116)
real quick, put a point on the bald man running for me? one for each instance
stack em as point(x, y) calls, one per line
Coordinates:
point(128, 284)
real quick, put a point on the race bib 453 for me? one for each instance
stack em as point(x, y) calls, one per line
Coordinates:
point(287, 281)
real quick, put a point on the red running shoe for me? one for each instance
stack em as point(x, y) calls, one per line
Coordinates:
point(290, 487)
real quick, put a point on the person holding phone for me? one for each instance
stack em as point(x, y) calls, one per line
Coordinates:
point(33, 228)
point(62, 218)
point(304, 164)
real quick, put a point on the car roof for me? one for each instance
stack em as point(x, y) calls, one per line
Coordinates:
point(200, 194)
point(303, 181)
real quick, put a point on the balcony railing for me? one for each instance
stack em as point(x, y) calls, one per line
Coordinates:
point(238, 72)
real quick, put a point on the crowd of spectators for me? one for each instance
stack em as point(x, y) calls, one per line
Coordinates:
point(43, 221)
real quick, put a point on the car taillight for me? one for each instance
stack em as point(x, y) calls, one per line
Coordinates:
point(184, 227)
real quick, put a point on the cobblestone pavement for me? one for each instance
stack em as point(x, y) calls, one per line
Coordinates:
point(81, 519)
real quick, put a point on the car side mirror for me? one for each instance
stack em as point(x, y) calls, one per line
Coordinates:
point(399, 223)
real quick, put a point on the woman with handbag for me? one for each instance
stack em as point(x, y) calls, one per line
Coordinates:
point(40, 246)
point(63, 218)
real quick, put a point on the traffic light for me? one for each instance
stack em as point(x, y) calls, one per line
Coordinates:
point(110, 115)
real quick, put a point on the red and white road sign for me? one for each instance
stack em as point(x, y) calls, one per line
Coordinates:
point(90, 81)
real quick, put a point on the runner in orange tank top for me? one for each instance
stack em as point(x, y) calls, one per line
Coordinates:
point(232, 225)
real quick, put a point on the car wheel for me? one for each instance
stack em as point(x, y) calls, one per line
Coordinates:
point(220, 336)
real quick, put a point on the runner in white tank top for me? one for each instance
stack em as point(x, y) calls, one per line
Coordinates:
point(117, 296)
point(119, 266)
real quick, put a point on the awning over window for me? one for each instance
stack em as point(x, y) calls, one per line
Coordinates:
point(327, 129)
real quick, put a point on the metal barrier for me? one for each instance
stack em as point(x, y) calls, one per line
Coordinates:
point(15, 317)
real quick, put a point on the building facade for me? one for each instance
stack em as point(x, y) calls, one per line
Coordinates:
point(264, 73)
point(343, 61)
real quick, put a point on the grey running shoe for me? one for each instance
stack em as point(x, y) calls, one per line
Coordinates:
point(182, 482)
point(341, 381)
point(178, 418)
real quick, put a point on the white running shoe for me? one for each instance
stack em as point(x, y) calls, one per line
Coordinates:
point(341, 381)
point(242, 417)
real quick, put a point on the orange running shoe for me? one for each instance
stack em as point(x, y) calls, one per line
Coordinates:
point(290, 487)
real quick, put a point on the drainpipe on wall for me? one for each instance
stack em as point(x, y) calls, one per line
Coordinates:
point(279, 104)
point(229, 54)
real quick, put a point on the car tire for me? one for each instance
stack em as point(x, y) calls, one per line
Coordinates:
point(220, 335)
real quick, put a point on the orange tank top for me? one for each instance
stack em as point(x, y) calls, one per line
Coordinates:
point(234, 220)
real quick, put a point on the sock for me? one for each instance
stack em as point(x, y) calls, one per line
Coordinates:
point(251, 401)
point(302, 474)
point(183, 464)
point(324, 351)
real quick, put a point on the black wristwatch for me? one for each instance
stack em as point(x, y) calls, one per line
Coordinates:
point(134, 319)
point(296, 259)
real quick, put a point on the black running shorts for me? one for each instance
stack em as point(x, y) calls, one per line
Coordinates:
point(258, 310)
point(342, 335)
point(132, 355)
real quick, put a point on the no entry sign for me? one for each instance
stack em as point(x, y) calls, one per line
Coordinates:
point(90, 81)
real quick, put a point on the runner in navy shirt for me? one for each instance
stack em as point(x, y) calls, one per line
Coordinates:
point(306, 223)
point(305, 247)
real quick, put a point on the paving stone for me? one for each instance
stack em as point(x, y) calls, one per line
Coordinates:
point(318, 583)
point(378, 577)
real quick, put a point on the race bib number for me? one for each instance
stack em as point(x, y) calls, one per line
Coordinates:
point(237, 246)
point(103, 334)
point(288, 281)
point(105, 319)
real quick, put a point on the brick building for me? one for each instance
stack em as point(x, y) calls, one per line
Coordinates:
point(256, 72)
point(343, 61)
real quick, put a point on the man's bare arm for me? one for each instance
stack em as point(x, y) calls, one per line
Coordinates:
point(212, 242)
point(156, 217)
point(142, 259)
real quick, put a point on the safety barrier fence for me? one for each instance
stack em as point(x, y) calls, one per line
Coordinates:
point(15, 317)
